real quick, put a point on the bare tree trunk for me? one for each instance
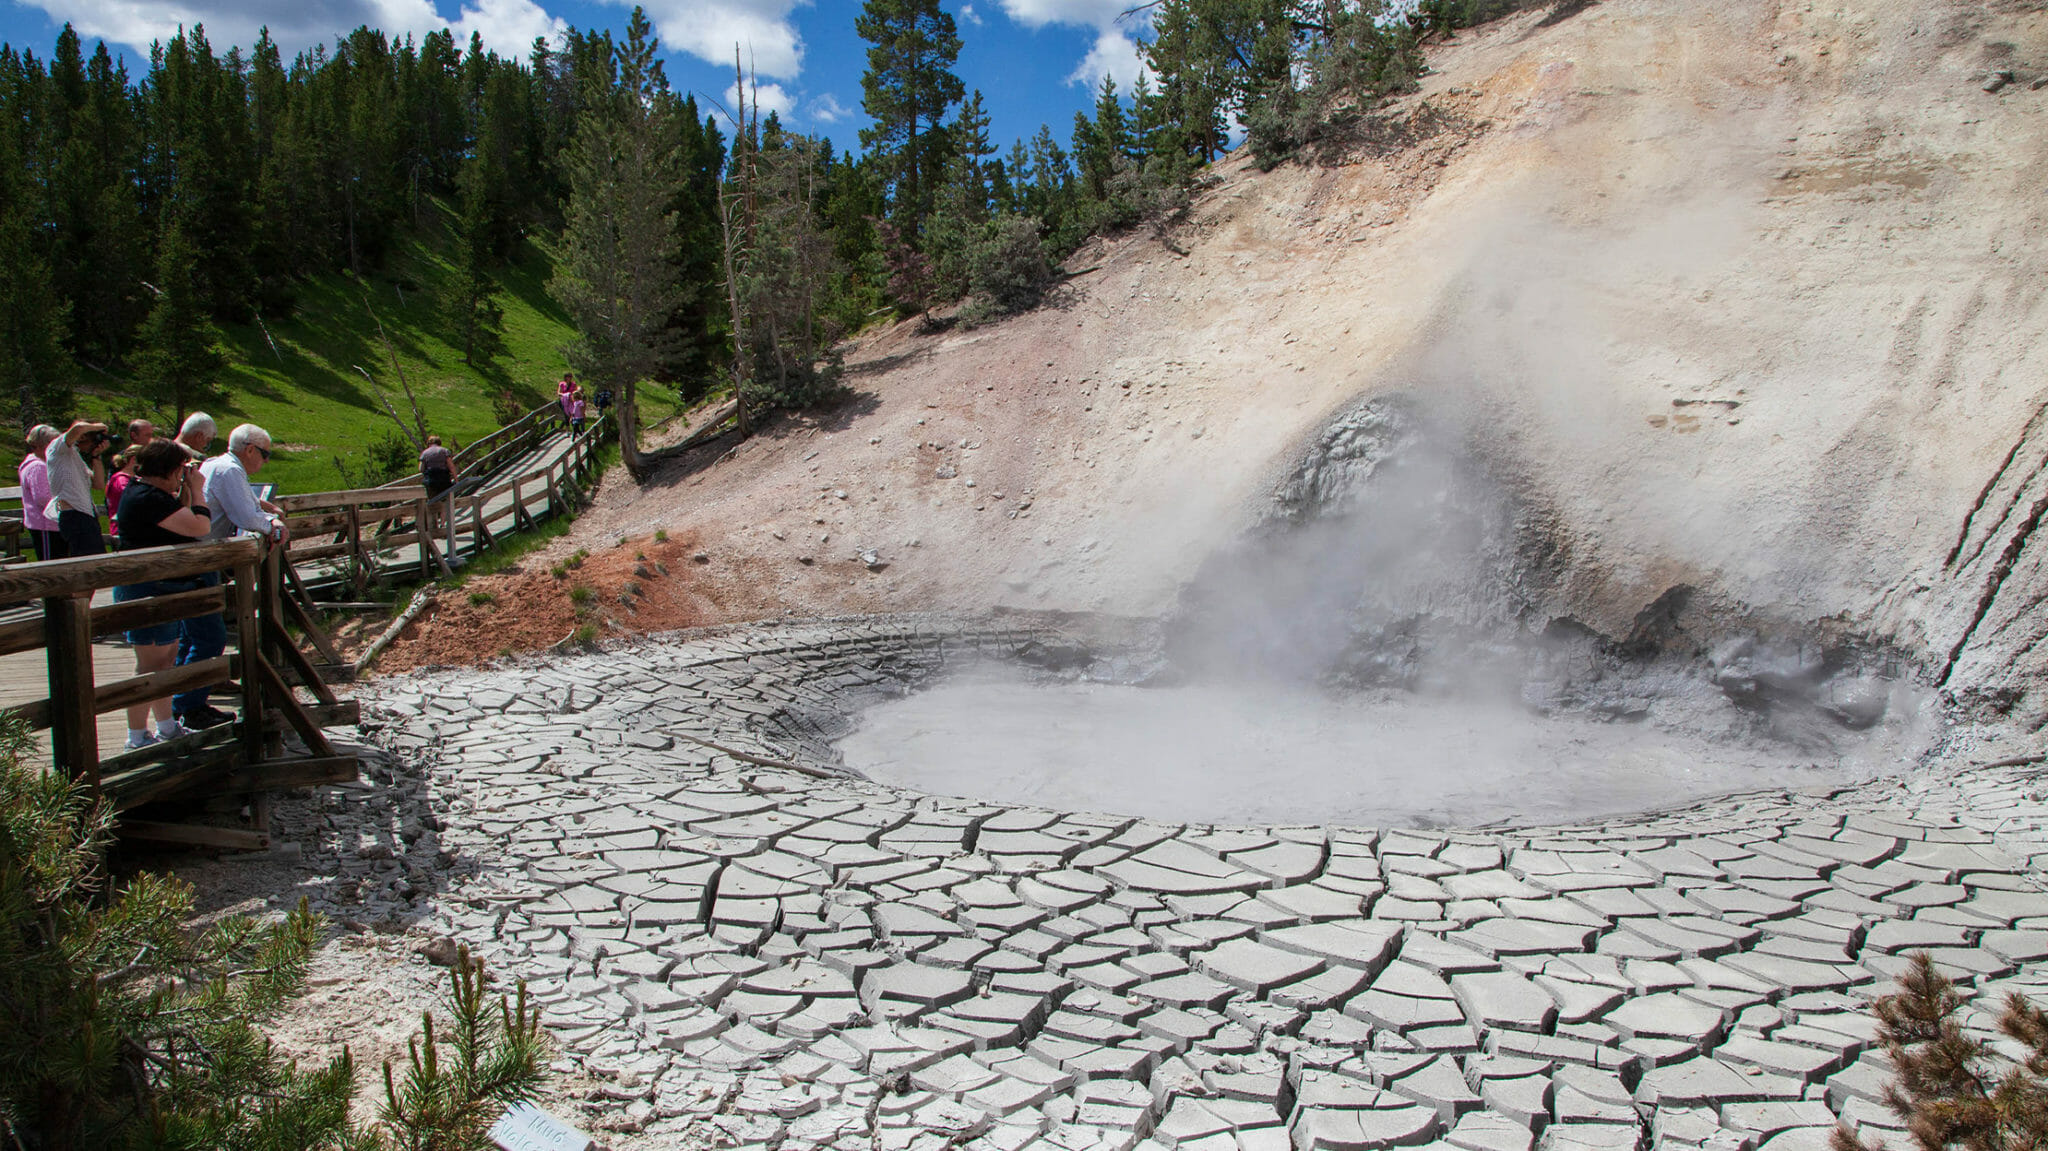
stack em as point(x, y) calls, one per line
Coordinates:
point(740, 366)
point(629, 431)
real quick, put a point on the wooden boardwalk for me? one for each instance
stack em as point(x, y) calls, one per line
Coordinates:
point(64, 673)
point(355, 537)
point(25, 677)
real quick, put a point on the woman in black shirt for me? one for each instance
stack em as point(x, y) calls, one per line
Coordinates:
point(161, 507)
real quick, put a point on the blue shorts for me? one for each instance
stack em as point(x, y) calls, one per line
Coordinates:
point(156, 634)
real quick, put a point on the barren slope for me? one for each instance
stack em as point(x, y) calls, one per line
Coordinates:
point(1748, 296)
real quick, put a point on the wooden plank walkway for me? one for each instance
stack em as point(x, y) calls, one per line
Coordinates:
point(25, 676)
point(511, 492)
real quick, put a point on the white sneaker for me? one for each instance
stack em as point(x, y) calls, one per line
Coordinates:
point(170, 729)
point(141, 738)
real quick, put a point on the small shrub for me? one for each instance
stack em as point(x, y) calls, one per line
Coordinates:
point(660, 536)
point(585, 635)
point(507, 408)
point(1952, 1090)
point(480, 598)
point(123, 1027)
point(580, 594)
point(1007, 270)
point(458, 1082)
point(559, 571)
point(387, 457)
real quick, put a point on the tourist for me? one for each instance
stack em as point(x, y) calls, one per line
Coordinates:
point(75, 471)
point(140, 432)
point(575, 408)
point(161, 507)
point(437, 468)
point(604, 404)
point(233, 506)
point(35, 494)
point(564, 388)
point(196, 433)
point(123, 468)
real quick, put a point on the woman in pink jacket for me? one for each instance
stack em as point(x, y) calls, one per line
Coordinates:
point(35, 492)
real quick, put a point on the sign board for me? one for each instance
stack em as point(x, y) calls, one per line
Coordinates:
point(524, 1127)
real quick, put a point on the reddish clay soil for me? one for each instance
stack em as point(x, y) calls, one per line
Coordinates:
point(637, 585)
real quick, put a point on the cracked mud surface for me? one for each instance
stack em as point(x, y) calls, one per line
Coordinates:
point(751, 956)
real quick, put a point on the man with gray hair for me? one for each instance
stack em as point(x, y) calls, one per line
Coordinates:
point(233, 507)
point(230, 498)
point(196, 433)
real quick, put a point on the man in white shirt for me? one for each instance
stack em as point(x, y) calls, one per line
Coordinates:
point(75, 473)
point(230, 497)
point(234, 508)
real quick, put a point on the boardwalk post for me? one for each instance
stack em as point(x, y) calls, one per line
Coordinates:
point(74, 699)
point(249, 644)
point(255, 662)
point(355, 549)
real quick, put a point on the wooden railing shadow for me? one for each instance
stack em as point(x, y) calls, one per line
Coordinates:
point(241, 762)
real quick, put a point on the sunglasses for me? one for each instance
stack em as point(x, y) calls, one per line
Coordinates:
point(264, 452)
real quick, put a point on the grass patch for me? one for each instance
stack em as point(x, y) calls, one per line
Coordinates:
point(585, 636)
point(300, 380)
point(581, 594)
point(480, 598)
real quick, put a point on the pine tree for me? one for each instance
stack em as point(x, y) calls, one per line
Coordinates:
point(961, 215)
point(123, 1027)
point(126, 1029)
point(472, 306)
point(617, 277)
point(179, 358)
point(32, 315)
point(908, 88)
point(1952, 1090)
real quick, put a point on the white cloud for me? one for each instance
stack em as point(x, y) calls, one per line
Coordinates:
point(708, 30)
point(1093, 13)
point(768, 97)
point(1114, 55)
point(509, 27)
point(827, 109)
point(969, 16)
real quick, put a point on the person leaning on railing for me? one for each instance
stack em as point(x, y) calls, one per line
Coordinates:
point(234, 508)
point(161, 506)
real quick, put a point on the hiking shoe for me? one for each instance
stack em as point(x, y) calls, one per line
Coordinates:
point(171, 730)
point(141, 738)
point(201, 718)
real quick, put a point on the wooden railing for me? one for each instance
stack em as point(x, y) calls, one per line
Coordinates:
point(263, 668)
point(549, 487)
point(489, 453)
point(353, 527)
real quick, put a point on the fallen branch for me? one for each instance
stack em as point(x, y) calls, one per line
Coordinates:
point(2017, 760)
point(764, 761)
point(419, 603)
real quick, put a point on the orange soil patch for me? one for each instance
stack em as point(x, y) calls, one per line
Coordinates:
point(640, 585)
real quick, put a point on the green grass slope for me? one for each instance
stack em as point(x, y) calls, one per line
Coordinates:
point(302, 381)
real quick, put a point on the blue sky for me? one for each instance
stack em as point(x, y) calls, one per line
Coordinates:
point(1035, 61)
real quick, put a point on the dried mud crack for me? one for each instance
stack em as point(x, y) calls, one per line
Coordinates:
point(738, 955)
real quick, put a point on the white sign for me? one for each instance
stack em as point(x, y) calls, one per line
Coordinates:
point(524, 1127)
